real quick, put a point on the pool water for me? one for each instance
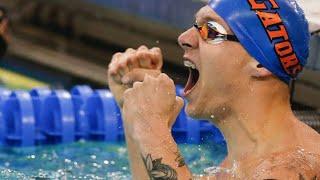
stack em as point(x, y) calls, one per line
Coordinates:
point(91, 160)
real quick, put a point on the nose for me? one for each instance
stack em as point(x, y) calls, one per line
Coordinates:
point(189, 39)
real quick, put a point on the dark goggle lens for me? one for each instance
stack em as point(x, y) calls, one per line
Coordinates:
point(212, 33)
point(207, 32)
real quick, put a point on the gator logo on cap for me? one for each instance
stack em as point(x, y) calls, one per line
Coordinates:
point(277, 33)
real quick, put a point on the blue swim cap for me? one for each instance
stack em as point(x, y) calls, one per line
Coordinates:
point(274, 32)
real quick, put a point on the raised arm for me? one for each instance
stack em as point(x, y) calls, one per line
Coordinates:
point(124, 69)
point(150, 109)
point(158, 155)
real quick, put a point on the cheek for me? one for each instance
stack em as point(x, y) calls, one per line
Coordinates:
point(222, 62)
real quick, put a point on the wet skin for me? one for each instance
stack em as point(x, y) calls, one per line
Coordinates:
point(249, 105)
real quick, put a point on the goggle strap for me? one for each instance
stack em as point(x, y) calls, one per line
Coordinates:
point(232, 38)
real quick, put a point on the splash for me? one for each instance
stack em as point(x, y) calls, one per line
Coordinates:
point(215, 170)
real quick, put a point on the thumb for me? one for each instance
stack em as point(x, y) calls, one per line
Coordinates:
point(177, 108)
point(138, 75)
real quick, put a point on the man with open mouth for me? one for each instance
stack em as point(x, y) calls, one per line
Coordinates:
point(242, 56)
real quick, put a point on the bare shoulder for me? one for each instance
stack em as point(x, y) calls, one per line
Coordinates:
point(294, 164)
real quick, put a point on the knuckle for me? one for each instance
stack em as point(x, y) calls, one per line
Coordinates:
point(156, 50)
point(129, 50)
point(163, 76)
point(143, 47)
point(116, 55)
point(137, 85)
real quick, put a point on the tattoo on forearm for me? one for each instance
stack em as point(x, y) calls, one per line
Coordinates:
point(158, 170)
point(179, 159)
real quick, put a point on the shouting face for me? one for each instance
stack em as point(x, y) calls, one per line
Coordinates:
point(217, 63)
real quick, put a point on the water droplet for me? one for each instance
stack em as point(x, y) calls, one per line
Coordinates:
point(106, 162)
point(96, 165)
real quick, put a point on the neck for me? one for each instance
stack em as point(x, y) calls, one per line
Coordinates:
point(259, 123)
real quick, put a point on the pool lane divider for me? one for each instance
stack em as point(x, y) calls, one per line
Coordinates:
point(44, 116)
point(18, 120)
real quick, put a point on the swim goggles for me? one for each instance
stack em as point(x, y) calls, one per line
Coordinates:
point(213, 32)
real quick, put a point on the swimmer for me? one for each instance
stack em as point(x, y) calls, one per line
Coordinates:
point(242, 56)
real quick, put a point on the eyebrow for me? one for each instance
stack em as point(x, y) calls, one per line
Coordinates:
point(206, 18)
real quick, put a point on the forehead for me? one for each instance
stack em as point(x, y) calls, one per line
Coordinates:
point(206, 14)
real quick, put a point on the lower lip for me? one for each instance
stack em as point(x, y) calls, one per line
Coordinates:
point(186, 93)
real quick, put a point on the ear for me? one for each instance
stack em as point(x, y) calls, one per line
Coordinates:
point(258, 71)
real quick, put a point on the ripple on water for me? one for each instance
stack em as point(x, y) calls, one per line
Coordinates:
point(90, 160)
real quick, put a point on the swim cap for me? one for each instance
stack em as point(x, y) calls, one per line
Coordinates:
point(274, 32)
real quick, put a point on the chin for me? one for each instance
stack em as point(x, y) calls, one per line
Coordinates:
point(194, 112)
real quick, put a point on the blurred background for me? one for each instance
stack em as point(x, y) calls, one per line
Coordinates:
point(60, 43)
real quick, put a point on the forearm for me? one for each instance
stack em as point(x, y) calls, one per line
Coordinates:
point(160, 154)
point(162, 158)
point(154, 155)
point(138, 170)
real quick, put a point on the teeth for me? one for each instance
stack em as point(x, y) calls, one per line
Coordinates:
point(189, 64)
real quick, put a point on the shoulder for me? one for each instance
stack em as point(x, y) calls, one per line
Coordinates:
point(286, 173)
point(298, 164)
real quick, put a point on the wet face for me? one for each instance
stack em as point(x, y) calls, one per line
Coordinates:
point(217, 70)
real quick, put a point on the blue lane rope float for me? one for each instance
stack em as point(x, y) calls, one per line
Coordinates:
point(38, 97)
point(44, 116)
point(104, 117)
point(80, 94)
point(58, 118)
point(4, 94)
point(19, 120)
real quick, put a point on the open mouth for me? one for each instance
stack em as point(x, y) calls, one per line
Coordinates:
point(193, 77)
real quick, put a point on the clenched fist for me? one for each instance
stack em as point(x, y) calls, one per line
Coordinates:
point(151, 107)
point(131, 66)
